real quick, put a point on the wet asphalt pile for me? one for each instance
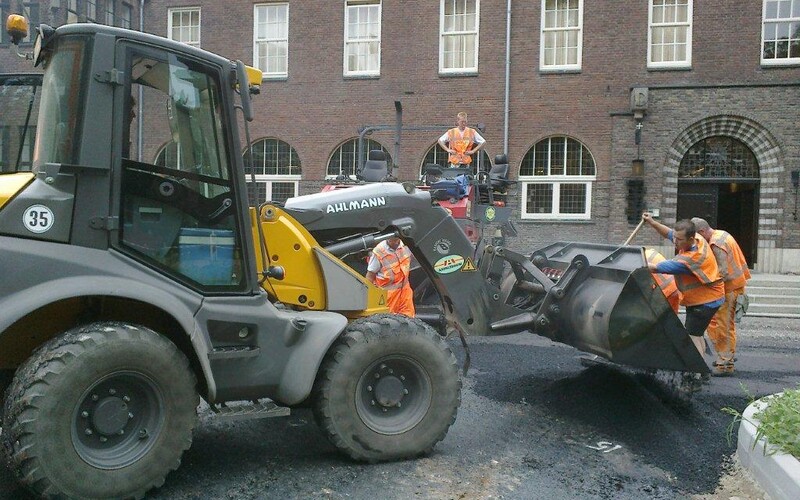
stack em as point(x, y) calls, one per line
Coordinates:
point(649, 440)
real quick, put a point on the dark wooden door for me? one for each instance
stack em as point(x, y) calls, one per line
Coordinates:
point(698, 200)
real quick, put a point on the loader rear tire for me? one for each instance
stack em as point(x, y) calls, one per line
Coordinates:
point(388, 389)
point(104, 410)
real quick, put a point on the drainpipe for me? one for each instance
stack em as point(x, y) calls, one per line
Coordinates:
point(398, 123)
point(140, 102)
point(508, 78)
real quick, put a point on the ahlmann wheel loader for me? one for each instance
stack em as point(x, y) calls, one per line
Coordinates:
point(131, 289)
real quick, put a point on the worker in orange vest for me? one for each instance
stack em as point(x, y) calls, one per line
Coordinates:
point(461, 142)
point(696, 274)
point(734, 271)
point(665, 281)
point(389, 266)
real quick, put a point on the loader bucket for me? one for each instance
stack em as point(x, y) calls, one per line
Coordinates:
point(611, 306)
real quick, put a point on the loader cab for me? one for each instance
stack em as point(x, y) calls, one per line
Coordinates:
point(167, 155)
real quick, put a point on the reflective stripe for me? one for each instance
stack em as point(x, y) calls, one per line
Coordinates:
point(696, 261)
point(704, 284)
point(461, 142)
point(736, 264)
point(665, 281)
point(395, 265)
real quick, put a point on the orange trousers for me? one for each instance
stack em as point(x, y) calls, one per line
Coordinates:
point(722, 329)
point(401, 301)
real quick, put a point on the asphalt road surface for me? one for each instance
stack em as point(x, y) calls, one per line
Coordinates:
point(534, 423)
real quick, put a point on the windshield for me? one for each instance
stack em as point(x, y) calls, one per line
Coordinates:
point(19, 102)
point(58, 129)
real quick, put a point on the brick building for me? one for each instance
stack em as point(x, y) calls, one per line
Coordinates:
point(608, 107)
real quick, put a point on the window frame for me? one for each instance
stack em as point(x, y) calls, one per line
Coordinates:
point(179, 10)
point(775, 61)
point(269, 179)
point(73, 10)
point(684, 64)
point(126, 17)
point(542, 46)
point(30, 139)
point(348, 5)
point(266, 74)
point(111, 13)
point(367, 143)
point(557, 181)
point(463, 70)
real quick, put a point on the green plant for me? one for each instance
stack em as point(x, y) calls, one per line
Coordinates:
point(778, 422)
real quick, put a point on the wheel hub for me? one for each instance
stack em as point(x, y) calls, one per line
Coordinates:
point(113, 423)
point(110, 416)
point(393, 394)
point(389, 391)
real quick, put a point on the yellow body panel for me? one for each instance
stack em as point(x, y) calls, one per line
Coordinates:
point(292, 247)
point(11, 184)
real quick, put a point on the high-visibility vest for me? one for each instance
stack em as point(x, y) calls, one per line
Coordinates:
point(665, 281)
point(461, 142)
point(735, 263)
point(395, 266)
point(703, 284)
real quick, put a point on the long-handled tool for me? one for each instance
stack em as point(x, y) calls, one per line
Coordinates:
point(641, 222)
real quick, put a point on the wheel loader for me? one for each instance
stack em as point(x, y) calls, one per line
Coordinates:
point(133, 288)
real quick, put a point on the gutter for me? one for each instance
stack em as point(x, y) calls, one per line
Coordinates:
point(508, 78)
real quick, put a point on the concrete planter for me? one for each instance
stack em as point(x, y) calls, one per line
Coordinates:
point(778, 474)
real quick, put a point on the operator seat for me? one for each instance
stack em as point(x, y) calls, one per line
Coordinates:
point(375, 168)
point(498, 175)
point(433, 173)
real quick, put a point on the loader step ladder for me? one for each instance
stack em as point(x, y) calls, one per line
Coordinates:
point(234, 352)
point(250, 411)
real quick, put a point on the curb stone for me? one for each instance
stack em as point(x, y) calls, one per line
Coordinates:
point(777, 474)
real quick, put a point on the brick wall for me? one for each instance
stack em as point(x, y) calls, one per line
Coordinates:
point(315, 109)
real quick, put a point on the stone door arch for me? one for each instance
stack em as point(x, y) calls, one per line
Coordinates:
point(732, 159)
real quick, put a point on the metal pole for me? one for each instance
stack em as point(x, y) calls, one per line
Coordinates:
point(140, 116)
point(361, 155)
point(508, 78)
point(398, 107)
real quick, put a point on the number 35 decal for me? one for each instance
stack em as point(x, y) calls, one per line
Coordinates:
point(38, 218)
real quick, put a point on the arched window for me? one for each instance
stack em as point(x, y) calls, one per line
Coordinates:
point(276, 166)
point(344, 160)
point(719, 157)
point(169, 155)
point(436, 154)
point(556, 176)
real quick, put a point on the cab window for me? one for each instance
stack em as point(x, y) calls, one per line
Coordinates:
point(179, 215)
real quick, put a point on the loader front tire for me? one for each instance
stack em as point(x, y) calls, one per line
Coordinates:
point(103, 411)
point(388, 389)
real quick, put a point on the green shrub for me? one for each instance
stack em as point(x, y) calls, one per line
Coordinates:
point(779, 422)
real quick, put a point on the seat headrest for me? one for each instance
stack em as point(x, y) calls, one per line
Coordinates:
point(377, 155)
point(501, 159)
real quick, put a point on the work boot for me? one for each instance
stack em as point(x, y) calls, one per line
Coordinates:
point(722, 369)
